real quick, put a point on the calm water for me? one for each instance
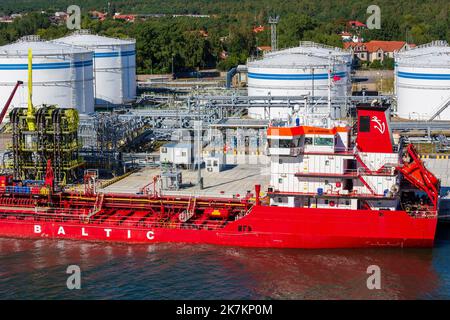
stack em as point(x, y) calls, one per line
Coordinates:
point(36, 269)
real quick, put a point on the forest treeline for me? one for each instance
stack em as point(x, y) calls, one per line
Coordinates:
point(229, 29)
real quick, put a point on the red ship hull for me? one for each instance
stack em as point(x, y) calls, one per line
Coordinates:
point(263, 226)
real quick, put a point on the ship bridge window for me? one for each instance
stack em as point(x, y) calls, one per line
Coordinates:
point(283, 143)
point(322, 141)
point(308, 140)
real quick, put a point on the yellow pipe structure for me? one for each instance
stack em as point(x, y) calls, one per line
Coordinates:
point(31, 122)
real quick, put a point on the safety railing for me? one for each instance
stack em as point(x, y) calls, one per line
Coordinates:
point(126, 222)
point(381, 172)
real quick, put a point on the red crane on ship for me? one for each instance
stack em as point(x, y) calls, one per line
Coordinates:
point(8, 102)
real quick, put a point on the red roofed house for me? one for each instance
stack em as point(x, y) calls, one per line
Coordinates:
point(263, 49)
point(356, 24)
point(223, 55)
point(376, 50)
point(203, 33)
point(126, 17)
point(98, 15)
point(346, 36)
point(258, 29)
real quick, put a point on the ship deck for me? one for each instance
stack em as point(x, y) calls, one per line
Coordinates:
point(234, 180)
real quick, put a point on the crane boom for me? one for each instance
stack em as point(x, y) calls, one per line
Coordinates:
point(30, 112)
point(8, 102)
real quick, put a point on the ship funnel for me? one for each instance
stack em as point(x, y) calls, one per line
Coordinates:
point(373, 132)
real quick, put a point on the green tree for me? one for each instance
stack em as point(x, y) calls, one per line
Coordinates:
point(292, 29)
point(376, 64)
point(389, 63)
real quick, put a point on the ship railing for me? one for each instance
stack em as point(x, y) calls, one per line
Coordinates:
point(382, 171)
point(158, 222)
point(423, 211)
point(42, 211)
point(44, 215)
point(79, 216)
point(353, 172)
point(424, 214)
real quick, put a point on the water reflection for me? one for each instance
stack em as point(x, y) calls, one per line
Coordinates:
point(35, 269)
point(340, 274)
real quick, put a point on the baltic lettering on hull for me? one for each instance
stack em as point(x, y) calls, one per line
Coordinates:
point(108, 232)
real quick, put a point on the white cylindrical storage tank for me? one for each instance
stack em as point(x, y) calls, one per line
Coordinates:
point(114, 66)
point(318, 49)
point(294, 74)
point(62, 74)
point(337, 55)
point(422, 80)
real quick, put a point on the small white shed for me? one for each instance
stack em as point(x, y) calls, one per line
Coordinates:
point(177, 153)
point(215, 163)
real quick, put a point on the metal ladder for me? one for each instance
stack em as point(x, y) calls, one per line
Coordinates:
point(98, 205)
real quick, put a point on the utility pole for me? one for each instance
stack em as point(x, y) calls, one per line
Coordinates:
point(198, 129)
point(381, 89)
point(329, 83)
point(173, 73)
point(273, 21)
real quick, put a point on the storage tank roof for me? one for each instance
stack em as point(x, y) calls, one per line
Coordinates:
point(39, 47)
point(291, 60)
point(432, 54)
point(315, 48)
point(85, 38)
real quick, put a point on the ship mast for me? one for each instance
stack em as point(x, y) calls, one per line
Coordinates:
point(329, 88)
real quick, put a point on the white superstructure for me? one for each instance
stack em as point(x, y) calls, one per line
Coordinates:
point(309, 161)
point(307, 70)
point(114, 66)
point(422, 81)
point(62, 74)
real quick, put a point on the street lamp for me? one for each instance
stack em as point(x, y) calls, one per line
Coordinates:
point(378, 74)
point(381, 89)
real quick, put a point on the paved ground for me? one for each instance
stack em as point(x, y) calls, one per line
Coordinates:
point(232, 181)
point(441, 168)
